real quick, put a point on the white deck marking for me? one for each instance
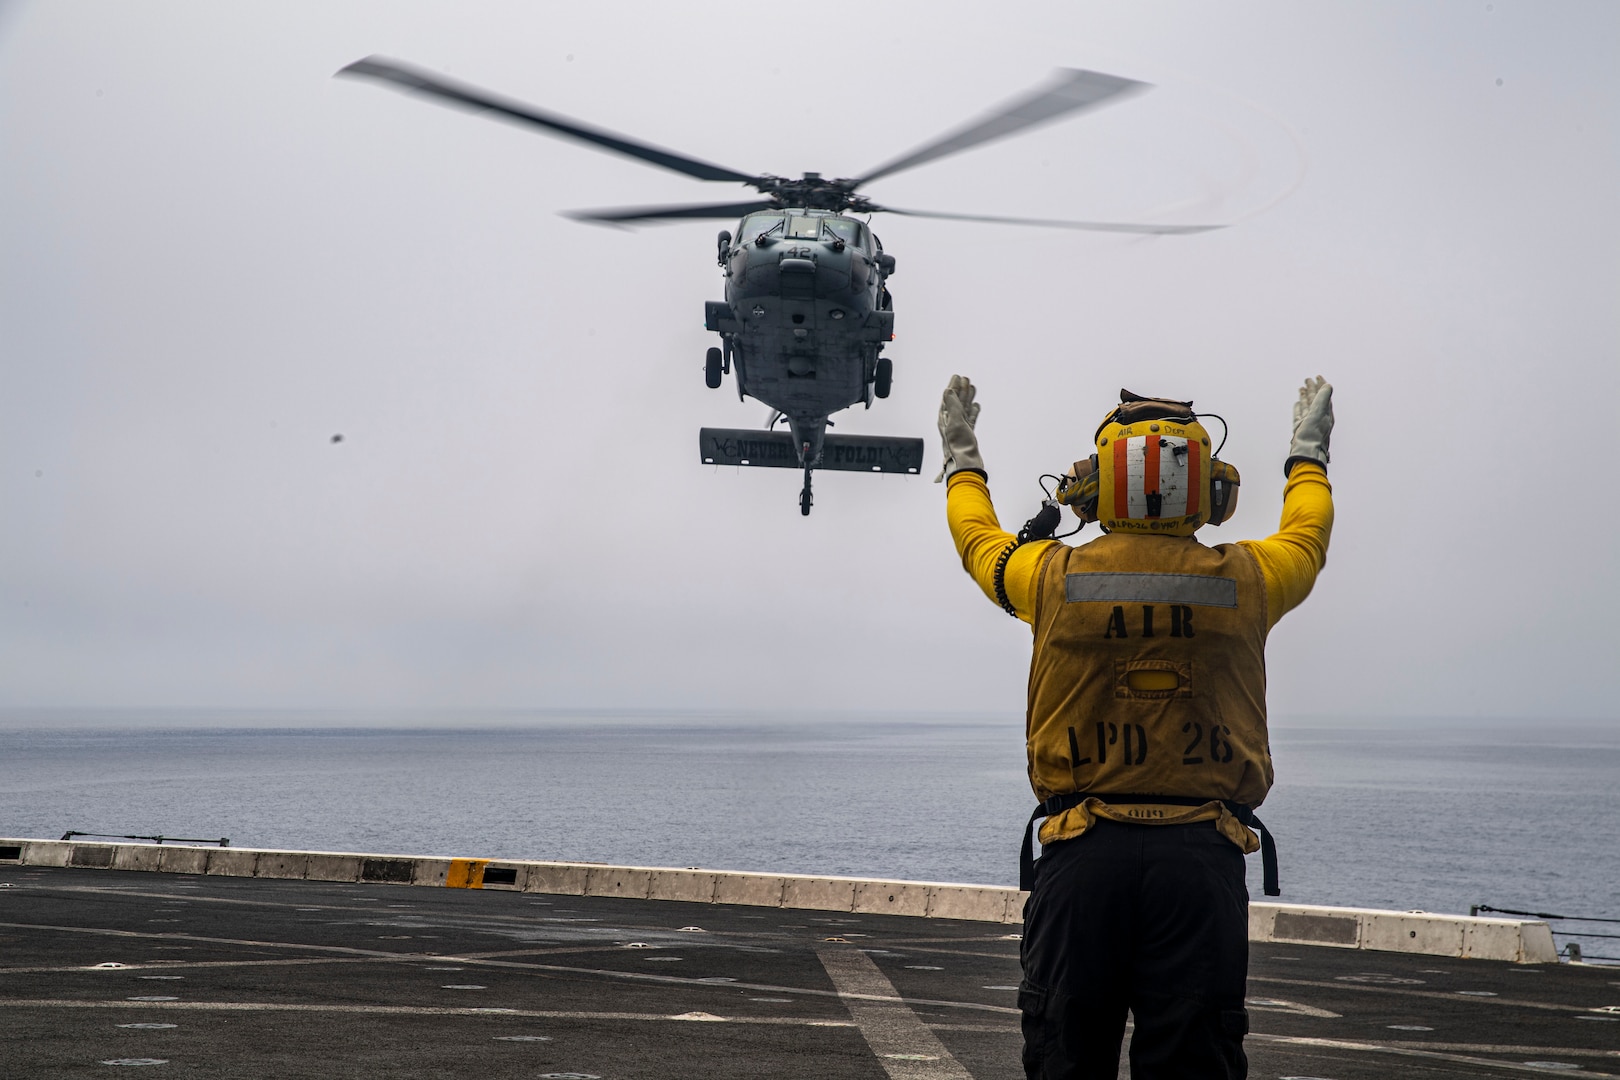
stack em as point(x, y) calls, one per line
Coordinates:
point(186, 965)
point(1260, 1004)
point(1406, 1050)
point(903, 947)
point(386, 956)
point(410, 1010)
point(446, 1010)
point(1433, 995)
point(904, 1045)
point(1499, 1048)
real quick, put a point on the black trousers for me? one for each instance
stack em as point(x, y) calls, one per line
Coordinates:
point(1153, 919)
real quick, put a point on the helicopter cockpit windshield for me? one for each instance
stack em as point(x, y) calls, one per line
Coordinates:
point(757, 225)
point(830, 229)
point(804, 227)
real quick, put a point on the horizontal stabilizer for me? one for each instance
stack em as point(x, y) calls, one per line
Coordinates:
point(843, 453)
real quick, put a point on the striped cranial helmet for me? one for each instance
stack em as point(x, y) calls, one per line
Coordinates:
point(1153, 472)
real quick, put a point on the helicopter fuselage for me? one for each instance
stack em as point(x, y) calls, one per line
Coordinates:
point(806, 316)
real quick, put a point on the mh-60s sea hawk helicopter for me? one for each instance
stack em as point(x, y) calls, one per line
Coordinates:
point(807, 310)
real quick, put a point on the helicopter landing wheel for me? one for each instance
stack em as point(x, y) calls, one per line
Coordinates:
point(711, 369)
point(885, 377)
point(805, 499)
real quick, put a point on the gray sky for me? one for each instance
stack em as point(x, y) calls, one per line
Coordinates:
point(214, 256)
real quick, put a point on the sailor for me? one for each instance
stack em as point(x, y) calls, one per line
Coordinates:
point(1146, 727)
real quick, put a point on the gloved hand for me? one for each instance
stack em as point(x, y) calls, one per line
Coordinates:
point(1313, 423)
point(958, 412)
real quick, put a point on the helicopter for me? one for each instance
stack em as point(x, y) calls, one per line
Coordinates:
point(807, 309)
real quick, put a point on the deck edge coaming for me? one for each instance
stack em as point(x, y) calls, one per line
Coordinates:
point(1462, 936)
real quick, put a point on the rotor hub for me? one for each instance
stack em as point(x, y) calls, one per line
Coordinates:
point(815, 192)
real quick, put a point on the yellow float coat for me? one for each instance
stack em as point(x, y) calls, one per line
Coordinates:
point(1100, 686)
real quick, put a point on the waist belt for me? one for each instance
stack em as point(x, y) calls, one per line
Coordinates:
point(1059, 803)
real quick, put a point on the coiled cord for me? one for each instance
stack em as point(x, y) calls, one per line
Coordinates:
point(1039, 527)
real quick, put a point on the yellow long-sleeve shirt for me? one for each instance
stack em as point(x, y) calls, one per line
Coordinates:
point(1289, 558)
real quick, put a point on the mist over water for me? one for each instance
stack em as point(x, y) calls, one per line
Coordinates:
point(1434, 817)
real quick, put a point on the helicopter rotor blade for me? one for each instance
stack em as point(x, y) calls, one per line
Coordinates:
point(451, 92)
point(691, 211)
point(1090, 226)
point(1068, 91)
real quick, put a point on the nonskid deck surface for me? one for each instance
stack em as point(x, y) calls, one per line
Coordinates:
point(239, 977)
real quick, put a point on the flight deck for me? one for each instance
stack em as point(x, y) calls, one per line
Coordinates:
point(227, 976)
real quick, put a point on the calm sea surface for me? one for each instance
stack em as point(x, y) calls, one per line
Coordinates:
point(1435, 817)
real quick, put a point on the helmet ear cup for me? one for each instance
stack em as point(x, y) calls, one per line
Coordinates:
point(1078, 491)
point(1224, 482)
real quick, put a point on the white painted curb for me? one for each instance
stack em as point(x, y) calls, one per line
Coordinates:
point(1469, 937)
point(1524, 942)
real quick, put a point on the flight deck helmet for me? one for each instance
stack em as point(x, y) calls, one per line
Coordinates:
point(1153, 472)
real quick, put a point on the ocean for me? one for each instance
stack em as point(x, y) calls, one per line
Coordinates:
point(1430, 815)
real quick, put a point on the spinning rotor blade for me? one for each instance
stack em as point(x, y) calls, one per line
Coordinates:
point(626, 214)
point(451, 92)
point(1091, 226)
point(1068, 91)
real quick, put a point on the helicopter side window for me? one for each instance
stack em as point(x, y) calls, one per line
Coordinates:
point(759, 225)
point(804, 228)
point(850, 232)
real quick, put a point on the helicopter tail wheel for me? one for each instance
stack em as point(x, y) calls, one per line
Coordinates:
point(711, 369)
point(885, 377)
point(805, 499)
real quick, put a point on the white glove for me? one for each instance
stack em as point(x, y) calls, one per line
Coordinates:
point(1313, 423)
point(958, 412)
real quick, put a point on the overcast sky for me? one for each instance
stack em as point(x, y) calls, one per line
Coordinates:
point(214, 256)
